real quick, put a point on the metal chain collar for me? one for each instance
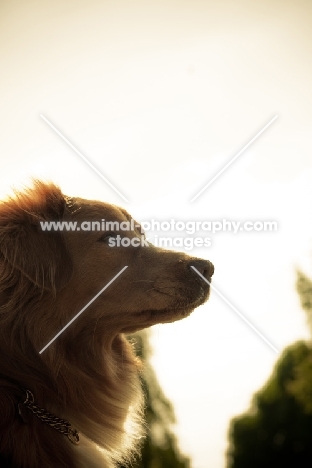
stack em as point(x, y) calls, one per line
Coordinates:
point(61, 425)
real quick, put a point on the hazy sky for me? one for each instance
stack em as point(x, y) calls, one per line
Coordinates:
point(159, 96)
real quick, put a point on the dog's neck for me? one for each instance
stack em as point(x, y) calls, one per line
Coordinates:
point(101, 397)
point(59, 424)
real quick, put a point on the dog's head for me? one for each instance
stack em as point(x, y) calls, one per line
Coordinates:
point(71, 263)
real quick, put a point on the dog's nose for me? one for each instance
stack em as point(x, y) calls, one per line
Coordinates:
point(204, 267)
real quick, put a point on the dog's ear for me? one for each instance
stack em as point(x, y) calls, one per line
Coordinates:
point(40, 255)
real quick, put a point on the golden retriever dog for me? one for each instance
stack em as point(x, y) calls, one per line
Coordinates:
point(78, 403)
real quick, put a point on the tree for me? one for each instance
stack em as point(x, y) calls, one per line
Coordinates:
point(304, 288)
point(160, 449)
point(277, 429)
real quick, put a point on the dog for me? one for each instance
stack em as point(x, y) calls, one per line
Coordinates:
point(78, 402)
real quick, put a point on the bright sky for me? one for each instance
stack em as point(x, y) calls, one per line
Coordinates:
point(159, 96)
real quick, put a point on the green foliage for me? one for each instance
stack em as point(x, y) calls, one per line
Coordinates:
point(277, 430)
point(160, 448)
point(304, 288)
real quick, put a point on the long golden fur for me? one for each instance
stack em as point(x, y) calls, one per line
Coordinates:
point(89, 375)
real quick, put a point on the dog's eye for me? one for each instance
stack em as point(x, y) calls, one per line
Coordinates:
point(108, 235)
